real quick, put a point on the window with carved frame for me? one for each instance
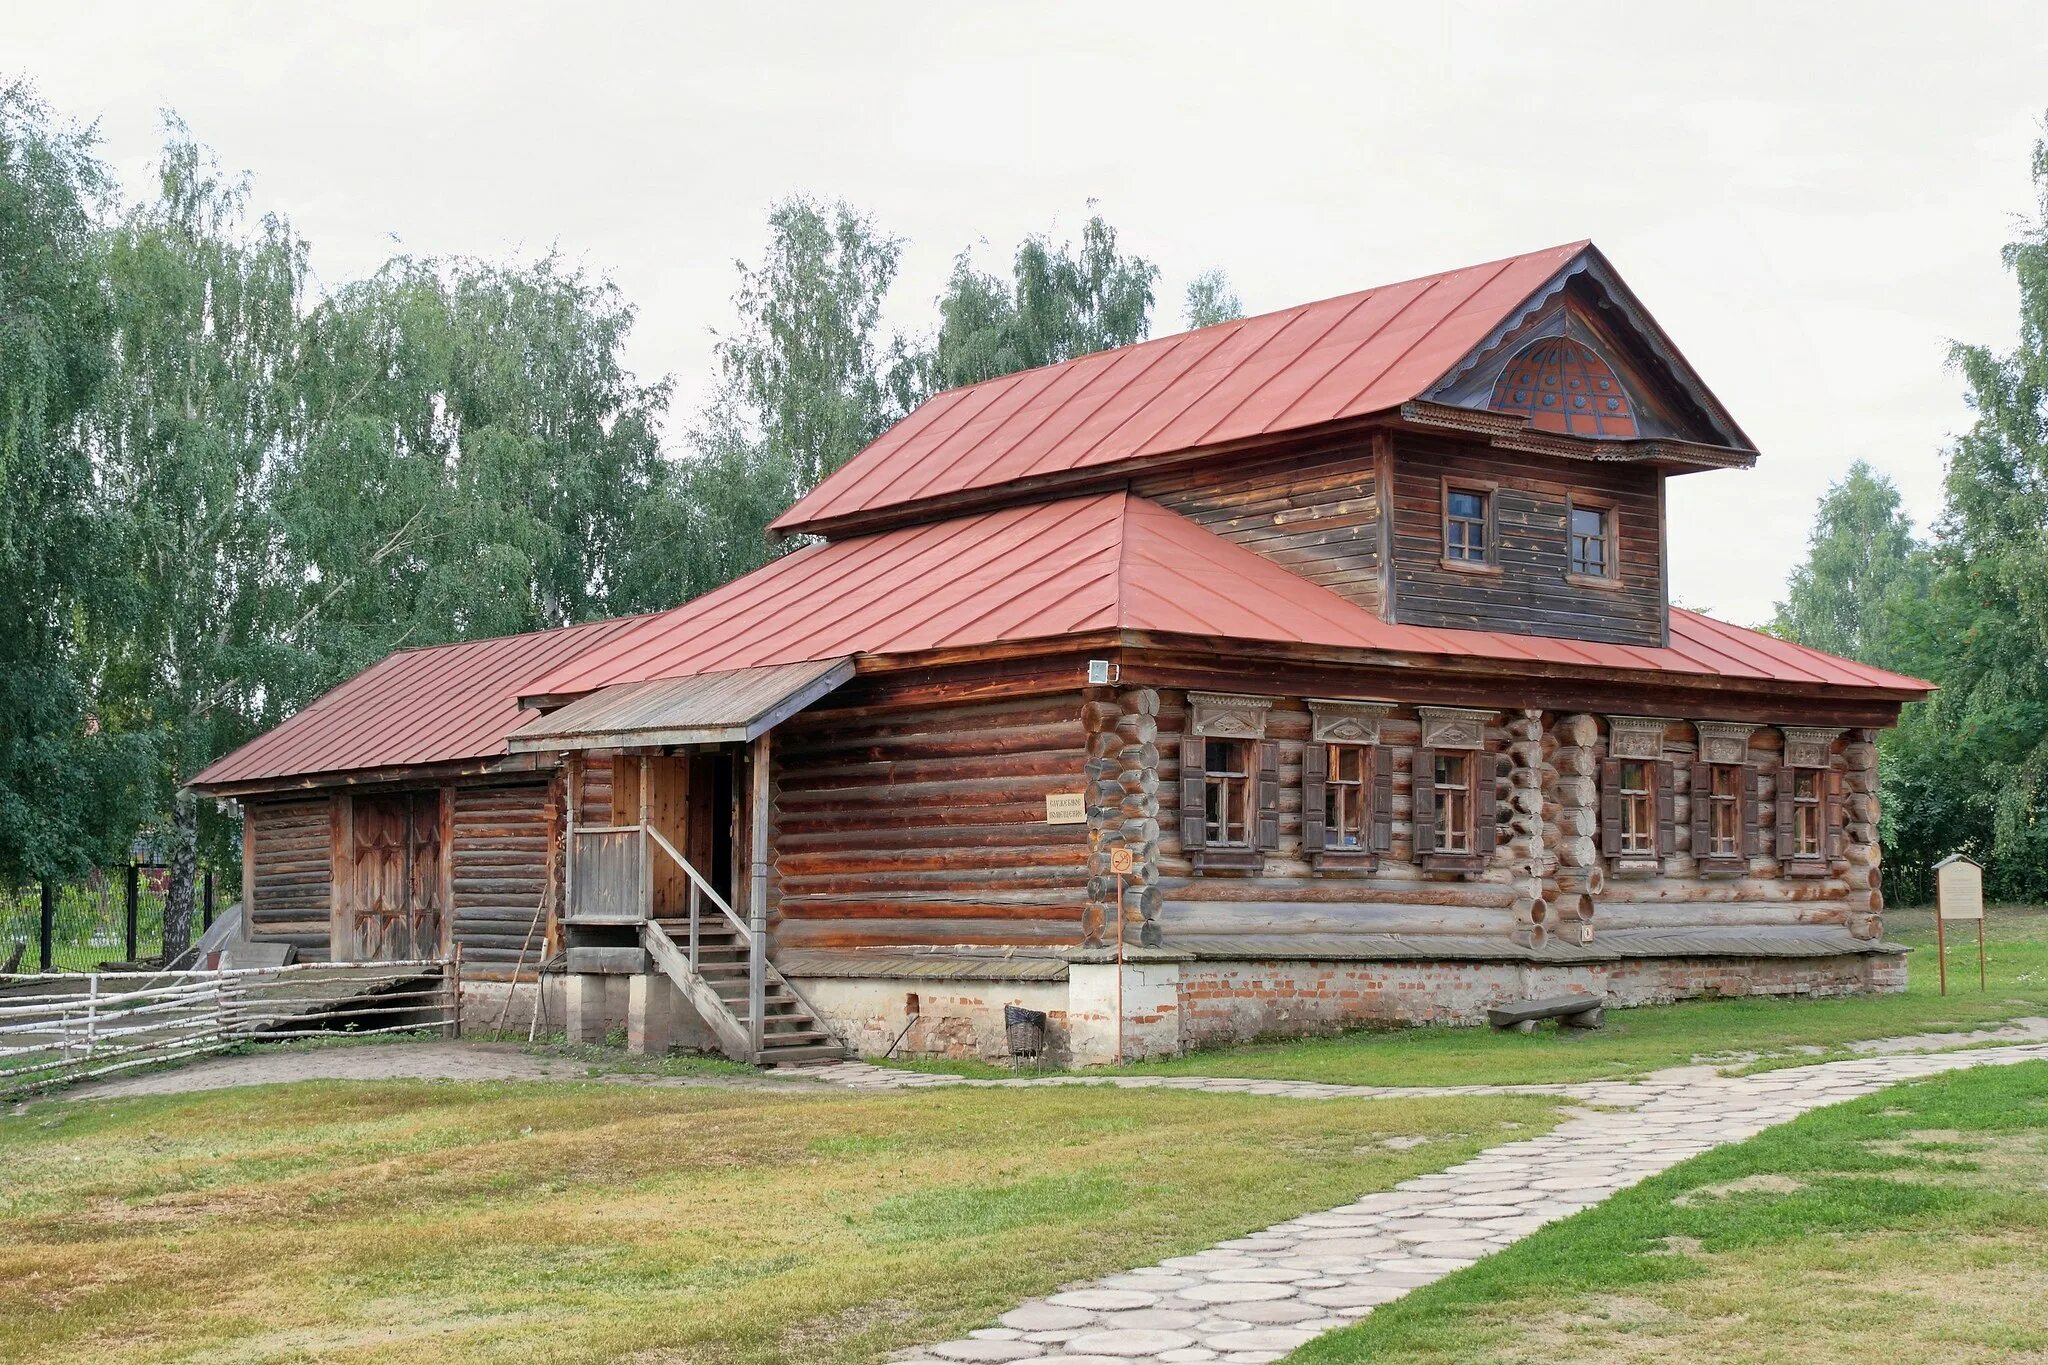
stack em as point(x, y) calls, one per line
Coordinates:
point(1468, 525)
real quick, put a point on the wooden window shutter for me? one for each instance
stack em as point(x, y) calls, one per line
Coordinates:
point(1315, 773)
point(1752, 836)
point(1610, 807)
point(1485, 803)
point(1702, 812)
point(1424, 797)
point(1194, 796)
point(1383, 800)
point(1267, 776)
point(1782, 825)
point(1667, 812)
point(1832, 809)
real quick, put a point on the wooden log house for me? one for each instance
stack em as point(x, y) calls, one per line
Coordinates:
point(1346, 628)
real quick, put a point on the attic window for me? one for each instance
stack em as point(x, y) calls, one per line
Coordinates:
point(1564, 385)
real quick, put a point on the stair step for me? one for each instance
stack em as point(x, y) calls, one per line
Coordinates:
point(810, 1052)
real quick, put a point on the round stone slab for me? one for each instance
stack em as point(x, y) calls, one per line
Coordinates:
point(1236, 1293)
point(1046, 1317)
point(1106, 1300)
point(1126, 1342)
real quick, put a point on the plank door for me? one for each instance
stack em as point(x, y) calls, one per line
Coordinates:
point(394, 903)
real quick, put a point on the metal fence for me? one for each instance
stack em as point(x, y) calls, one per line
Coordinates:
point(61, 1027)
point(114, 916)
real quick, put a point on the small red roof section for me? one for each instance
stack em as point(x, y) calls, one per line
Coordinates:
point(437, 704)
point(1320, 362)
point(1111, 562)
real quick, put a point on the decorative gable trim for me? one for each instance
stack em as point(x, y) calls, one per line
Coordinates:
point(1346, 722)
point(1635, 737)
point(1724, 741)
point(1451, 727)
point(1809, 746)
point(1216, 715)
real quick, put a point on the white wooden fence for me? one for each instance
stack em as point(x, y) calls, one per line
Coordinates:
point(60, 1027)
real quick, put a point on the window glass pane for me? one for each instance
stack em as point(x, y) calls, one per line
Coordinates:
point(1588, 521)
point(1470, 506)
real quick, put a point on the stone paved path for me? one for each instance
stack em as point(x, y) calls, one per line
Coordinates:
point(1256, 1298)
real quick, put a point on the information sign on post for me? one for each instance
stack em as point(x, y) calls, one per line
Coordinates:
point(1959, 895)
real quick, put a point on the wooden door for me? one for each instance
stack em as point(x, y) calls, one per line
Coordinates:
point(394, 902)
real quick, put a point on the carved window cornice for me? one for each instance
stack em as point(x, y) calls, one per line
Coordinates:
point(1724, 741)
point(1451, 727)
point(1346, 722)
point(1215, 715)
point(1809, 746)
point(1635, 737)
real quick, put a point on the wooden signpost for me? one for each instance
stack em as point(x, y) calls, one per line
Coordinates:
point(1959, 895)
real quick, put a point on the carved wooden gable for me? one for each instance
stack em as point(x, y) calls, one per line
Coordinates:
point(1809, 746)
point(1346, 722)
point(1215, 715)
point(1450, 727)
point(1723, 741)
point(1635, 737)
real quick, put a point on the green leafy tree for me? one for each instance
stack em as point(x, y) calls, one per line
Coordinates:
point(475, 460)
point(195, 411)
point(1993, 712)
point(69, 783)
point(1061, 301)
point(1860, 589)
point(1211, 300)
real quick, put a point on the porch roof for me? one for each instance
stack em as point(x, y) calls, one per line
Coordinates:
point(733, 706)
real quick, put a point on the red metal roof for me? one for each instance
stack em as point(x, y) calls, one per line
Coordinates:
point(437, 704)
point(1108, 562)
point(1320, 362)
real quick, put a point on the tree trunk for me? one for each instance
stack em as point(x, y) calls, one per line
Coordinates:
point(184, 871)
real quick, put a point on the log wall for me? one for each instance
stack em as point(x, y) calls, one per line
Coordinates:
point(1316, 513)
point(1285, 896)
point(503, 871)
point(926, 824)
point(288, 873)
point(1528, 595)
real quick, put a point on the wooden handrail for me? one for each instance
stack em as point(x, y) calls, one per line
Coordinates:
point(746, 934)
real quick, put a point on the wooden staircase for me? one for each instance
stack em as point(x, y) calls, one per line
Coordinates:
point(717, 989)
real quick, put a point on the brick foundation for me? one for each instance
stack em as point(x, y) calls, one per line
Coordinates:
point(1172, 1003)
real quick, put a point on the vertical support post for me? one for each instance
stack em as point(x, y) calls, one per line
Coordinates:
point(92, 1014)
point(1980, 955)
point(572, 786)
point(1941, 949)
point(757, 894)
point(206, 901)
point(134, 899)
point(46, 933)
point(453, 1029)
point(646, 851)
point(696, 907)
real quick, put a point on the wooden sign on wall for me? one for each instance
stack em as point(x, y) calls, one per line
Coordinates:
point(1066, 808)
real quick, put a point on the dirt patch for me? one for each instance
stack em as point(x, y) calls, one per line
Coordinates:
point(428, 1061)
point(1768, 1183)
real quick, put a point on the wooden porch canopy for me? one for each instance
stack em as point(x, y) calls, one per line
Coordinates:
point(732, 707)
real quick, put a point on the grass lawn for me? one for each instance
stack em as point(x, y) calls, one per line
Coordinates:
point(1908, 1226)
point(1636, 1041)
point(397, 1220)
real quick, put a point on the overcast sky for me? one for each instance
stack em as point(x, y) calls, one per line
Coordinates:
point(1811, 198)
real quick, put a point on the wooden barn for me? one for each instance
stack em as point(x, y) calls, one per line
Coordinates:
point(1306, 670)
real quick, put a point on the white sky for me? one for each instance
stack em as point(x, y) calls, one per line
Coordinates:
point(1811, 198)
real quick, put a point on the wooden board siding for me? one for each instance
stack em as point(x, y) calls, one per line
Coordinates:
point(288, 882)
point(1529, 595)
point(1285, 896)
point(1316, 514)
point(899, 825)
point(596, 806)
point(502, 866)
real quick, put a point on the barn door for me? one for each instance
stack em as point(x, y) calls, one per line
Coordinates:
point(394, 902)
